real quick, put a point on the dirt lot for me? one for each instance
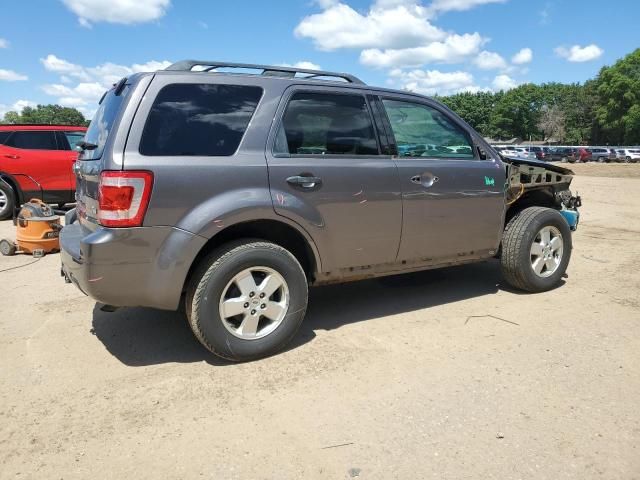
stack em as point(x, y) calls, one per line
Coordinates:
point(443, 374)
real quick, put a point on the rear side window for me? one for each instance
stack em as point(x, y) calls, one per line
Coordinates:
point(422, 131)
point(3, 137)
point(326, 123)
point(199, 120)
point(33, 140)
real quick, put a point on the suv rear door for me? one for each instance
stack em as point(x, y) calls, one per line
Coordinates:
point(453, 201)
point(326, 173)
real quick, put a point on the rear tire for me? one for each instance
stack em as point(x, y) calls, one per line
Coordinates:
point(536, 248)
point(7, 201)
point(239, 277)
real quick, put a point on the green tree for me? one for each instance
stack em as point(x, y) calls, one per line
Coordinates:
point(475, 108)
point(618, 101)
point(46, 114)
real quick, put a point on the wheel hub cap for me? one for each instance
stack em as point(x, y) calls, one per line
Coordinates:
point(3, 200)
point(546, 251)
point(254, 303)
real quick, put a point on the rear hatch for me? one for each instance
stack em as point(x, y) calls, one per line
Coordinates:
point(95, 155)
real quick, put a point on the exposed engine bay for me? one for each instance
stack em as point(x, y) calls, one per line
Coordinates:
point(532, 182)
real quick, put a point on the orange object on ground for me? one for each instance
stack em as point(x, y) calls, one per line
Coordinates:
point(38, 228)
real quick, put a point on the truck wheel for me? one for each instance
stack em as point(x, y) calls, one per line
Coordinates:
point(536, 248)
point(7, 201)
point(247, 300)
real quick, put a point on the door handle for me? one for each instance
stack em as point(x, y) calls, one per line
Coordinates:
point(427, 181)
point(12, 157)
point(304, 181)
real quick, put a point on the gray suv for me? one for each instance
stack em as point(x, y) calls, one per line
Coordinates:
point(228, 194)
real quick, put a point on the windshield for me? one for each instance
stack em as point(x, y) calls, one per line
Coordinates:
point(102, 122)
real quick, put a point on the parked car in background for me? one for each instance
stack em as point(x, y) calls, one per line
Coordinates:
point(584, 155)
point(564, 154)
point(628, 155)
point(518, 152)
point(268, 183)
point(541, 153)
point(35, 162)
point(600, 154)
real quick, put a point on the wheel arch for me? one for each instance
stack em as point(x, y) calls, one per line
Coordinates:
point(540, 197)
point(279, 232)
point(15, 186)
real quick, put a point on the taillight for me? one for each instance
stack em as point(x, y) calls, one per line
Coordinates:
point(123, 197)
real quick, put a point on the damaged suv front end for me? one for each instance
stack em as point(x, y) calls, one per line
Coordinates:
point(533, 182)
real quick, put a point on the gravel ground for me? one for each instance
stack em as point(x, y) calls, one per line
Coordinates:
point(442, 374)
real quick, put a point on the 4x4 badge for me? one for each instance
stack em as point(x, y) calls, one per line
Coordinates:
point(489, 181)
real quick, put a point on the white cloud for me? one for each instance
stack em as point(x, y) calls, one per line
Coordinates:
point(68, 69)
point(459, 5)
point(489, 61)
point(4, 43)
point(523, 56)
point(393, 33)
point(454, 49)
point(431, 82)
point(117, 11)
point(388, 24)
point(11, 76)
point(303, 64)
point(92, 81)
point(577, 53)
point(16, 107)
point(504, 82)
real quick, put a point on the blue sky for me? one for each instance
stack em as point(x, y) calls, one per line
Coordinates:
point(69, 51)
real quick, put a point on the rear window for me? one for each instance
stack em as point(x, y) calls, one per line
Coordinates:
point(3, 137)
point(103, 121)
point(33, 140)
point(199, 120)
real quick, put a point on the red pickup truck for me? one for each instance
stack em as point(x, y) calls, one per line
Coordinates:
point(36, 162)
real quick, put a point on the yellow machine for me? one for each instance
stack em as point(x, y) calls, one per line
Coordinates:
point(37, 232)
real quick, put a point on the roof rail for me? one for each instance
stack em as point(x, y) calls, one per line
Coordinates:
point(267, 70)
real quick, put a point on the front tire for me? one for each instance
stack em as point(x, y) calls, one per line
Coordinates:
point(7, 201)
point(247, 300)
point(536, 248)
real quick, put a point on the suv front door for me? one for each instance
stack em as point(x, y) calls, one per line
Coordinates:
point(327, 174)
point(453, 201)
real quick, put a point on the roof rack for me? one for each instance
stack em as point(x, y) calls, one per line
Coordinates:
point(267, 70)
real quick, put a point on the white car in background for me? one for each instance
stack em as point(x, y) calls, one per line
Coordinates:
point(518, 152)
point(628, 155)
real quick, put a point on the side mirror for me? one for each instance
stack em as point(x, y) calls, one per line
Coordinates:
point(482, 153)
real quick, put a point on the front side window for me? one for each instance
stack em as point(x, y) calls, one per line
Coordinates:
point(422, 131)
point(326, 124)
point(33, 140)
point(199, 119)
point(3, 137)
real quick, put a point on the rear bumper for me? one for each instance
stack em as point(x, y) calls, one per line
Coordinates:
point(128, 267)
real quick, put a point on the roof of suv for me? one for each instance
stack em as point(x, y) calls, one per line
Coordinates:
point(275, 73)
point(40, 126)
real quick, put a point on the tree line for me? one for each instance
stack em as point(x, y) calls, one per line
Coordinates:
point(602, 111)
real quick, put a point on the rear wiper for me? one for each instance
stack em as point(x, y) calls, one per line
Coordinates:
point(86, 146)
